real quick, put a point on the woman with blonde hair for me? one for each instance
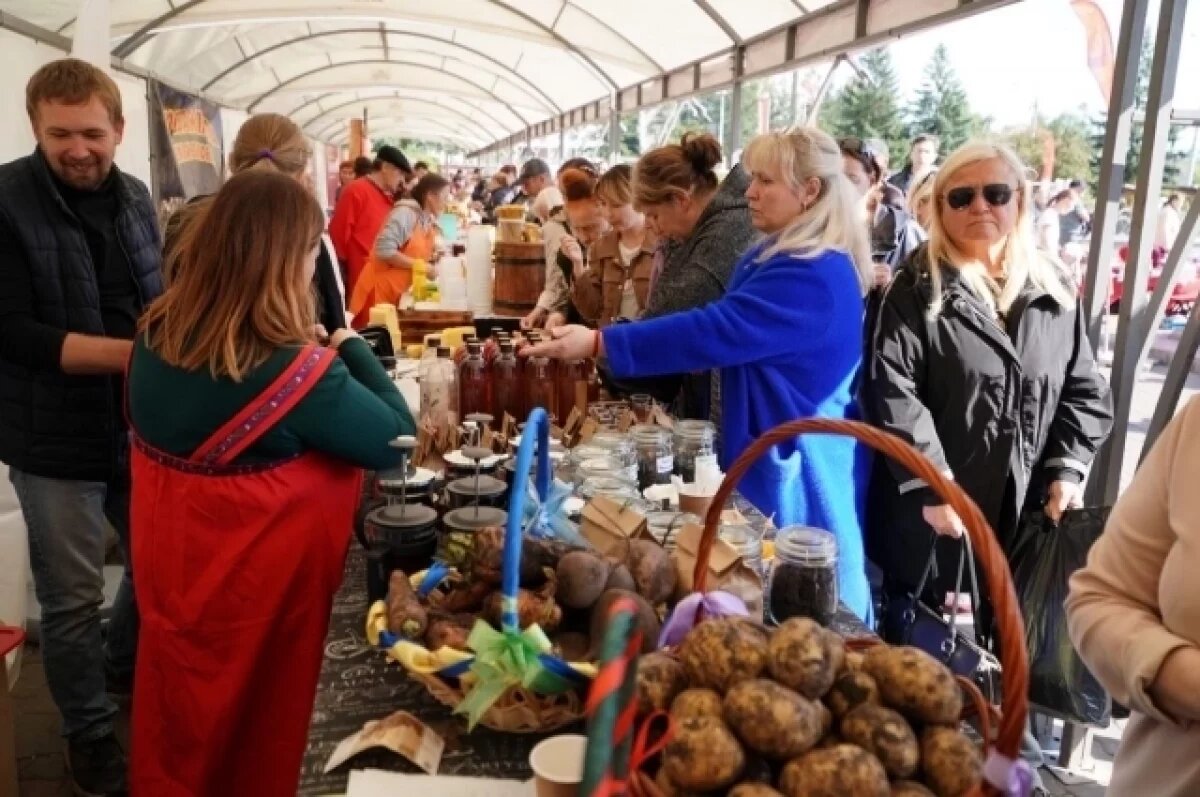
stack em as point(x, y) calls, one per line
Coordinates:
point(271, 142)
point(249, 442)
point(786, 337)
point(617, 282)
point(981, 360)
point(920, 200)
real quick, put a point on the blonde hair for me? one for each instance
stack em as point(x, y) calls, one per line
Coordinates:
point(834, 221)
point(270, 141)
point(615, 186)
point(1022, 261)
point(920, 189)
point(240, 290)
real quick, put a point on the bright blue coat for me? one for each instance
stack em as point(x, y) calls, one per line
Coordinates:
point(787, 337)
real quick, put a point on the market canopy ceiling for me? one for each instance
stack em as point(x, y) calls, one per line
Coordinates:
point(474, 71)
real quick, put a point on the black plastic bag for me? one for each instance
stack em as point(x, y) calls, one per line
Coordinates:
point(1043, 558)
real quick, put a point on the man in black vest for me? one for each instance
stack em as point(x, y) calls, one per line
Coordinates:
point(80, 259)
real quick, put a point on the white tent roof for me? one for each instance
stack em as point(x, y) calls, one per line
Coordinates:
point(468, 71)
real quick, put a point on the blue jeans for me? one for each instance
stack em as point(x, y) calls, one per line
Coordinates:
point(66, 522)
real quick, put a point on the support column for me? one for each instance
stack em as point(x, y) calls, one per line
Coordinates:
point(614, 131)
point(1132, 328)
point(92, 34)
point(357, 141)
point(734, 137)
point(1112, 168)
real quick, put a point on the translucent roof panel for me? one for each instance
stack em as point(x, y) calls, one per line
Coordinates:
point(477, 67)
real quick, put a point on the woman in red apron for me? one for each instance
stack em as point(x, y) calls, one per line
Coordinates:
point(409, 234)
point(245, 486)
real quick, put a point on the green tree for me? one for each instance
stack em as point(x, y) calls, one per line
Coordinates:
point(1072, 146)
point(941, 106)
point(1141, 91)
point(868, 106)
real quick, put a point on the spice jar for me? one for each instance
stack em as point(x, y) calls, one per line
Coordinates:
point(617, 489)
point(600, 467)
point(803, 581)
point(694, 448)
point(620, 447)
point(655, 456)
point(748, 543)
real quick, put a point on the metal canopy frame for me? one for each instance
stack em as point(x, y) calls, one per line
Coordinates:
point(366, 102)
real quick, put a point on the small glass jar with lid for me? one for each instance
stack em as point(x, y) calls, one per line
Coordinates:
point(620, 446)
point(803, 578)
point(610, 487)
point(748, 543)
point(600, 467)
point(655, 455)
point(695, 448)
point(664, 525)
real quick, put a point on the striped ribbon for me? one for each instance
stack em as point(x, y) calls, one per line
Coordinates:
point(612, 705)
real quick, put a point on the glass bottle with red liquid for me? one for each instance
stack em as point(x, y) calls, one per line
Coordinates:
point(508, 386)
point(572, 387)
point(541, 385)
point(474, 383)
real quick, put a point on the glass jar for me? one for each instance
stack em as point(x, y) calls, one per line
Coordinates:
point(655, 456)
point(620, 447)
point(803, 580)
point(609, 487)
point(601, 467)
point(664, 526)
point(748, 544)
point(695, 448)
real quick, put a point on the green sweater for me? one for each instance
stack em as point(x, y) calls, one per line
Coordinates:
point(351, 414)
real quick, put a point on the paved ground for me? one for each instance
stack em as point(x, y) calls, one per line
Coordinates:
point(40, 749)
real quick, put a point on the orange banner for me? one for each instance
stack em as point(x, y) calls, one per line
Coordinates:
point(1100, 54)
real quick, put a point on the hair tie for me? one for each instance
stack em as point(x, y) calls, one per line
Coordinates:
point(266, 153)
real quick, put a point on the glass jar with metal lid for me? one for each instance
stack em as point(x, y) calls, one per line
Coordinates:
point(655, 455)
point(695, 448)
point(803, 578)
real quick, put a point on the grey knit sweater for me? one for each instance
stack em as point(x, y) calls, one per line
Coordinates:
point(697, 271)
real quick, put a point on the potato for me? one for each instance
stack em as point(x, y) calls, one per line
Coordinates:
point(647, 619)
point(703, 756)
point(910, 788)
point(619, 577)
point(660, 679)
point(722, 652)
point(696, 703)
point(653, 571)
point(915, 684)
point(581, 579)
point(851, 688)
point(951, 762)
point(671, 789)
point(841, 771)
point(885, 734)
point(753, 790)
point(773, 720)
point(805, 657)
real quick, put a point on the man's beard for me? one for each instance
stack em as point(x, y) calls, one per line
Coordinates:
point(85, 175)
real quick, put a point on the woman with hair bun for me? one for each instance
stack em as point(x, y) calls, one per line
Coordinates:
point(272, 142)
point(786, 337)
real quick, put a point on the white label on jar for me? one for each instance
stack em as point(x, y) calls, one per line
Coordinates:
point(704, 461)
point(632, 472)
point(666, 464)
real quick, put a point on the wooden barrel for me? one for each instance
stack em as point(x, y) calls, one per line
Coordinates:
point(520, 277)
point(416, 324)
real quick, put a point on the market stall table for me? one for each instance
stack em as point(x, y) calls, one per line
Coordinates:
point(358, 684)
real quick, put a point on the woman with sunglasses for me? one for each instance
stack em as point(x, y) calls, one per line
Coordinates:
point(980, 360)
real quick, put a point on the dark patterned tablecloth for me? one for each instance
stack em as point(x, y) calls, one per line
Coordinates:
point(358, 684)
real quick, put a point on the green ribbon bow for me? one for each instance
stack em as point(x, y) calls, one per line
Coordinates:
point(504, 659)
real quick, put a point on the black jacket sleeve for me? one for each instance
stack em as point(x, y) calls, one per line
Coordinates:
point(895, 382)
point(1083, 417)
point(23, 338)
point(332, 306)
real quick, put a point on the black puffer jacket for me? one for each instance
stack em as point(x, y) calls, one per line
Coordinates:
point(1006, 410)
point(53, 424)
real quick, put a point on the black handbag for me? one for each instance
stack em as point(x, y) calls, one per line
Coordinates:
point(911, 622)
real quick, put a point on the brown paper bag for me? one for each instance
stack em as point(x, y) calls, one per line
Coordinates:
point(726, 570)
point(572, 424)
point(609, 526)
point(661, 418)
point(588, 430)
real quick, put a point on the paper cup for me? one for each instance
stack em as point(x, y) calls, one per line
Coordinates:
point(695, 504)
point(557, 765)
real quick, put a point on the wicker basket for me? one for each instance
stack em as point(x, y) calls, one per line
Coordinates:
point(445, 672)
point(1009, 721)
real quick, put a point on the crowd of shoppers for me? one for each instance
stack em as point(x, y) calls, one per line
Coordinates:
point(799, 285)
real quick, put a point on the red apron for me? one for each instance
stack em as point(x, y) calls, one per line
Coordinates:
point(236, 568)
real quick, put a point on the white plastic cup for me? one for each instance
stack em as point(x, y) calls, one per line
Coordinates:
point(557, 765)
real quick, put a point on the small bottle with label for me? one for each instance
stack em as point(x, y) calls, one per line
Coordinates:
point(695, 449)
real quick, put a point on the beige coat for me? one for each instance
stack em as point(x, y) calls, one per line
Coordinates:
point(1137, 600)
point(597, 294)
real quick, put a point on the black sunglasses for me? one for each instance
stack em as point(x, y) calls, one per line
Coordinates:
point(995, 194)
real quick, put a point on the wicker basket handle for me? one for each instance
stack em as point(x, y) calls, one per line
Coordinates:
point(1013, 656)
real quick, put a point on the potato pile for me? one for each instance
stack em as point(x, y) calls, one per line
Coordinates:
point(563, 589)
point(791, 713)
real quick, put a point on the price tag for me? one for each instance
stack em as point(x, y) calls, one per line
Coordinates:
point(666, 464)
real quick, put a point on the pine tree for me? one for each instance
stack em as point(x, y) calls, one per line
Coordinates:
point(1141, 92)
point(941, 106)
point(867, 107)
